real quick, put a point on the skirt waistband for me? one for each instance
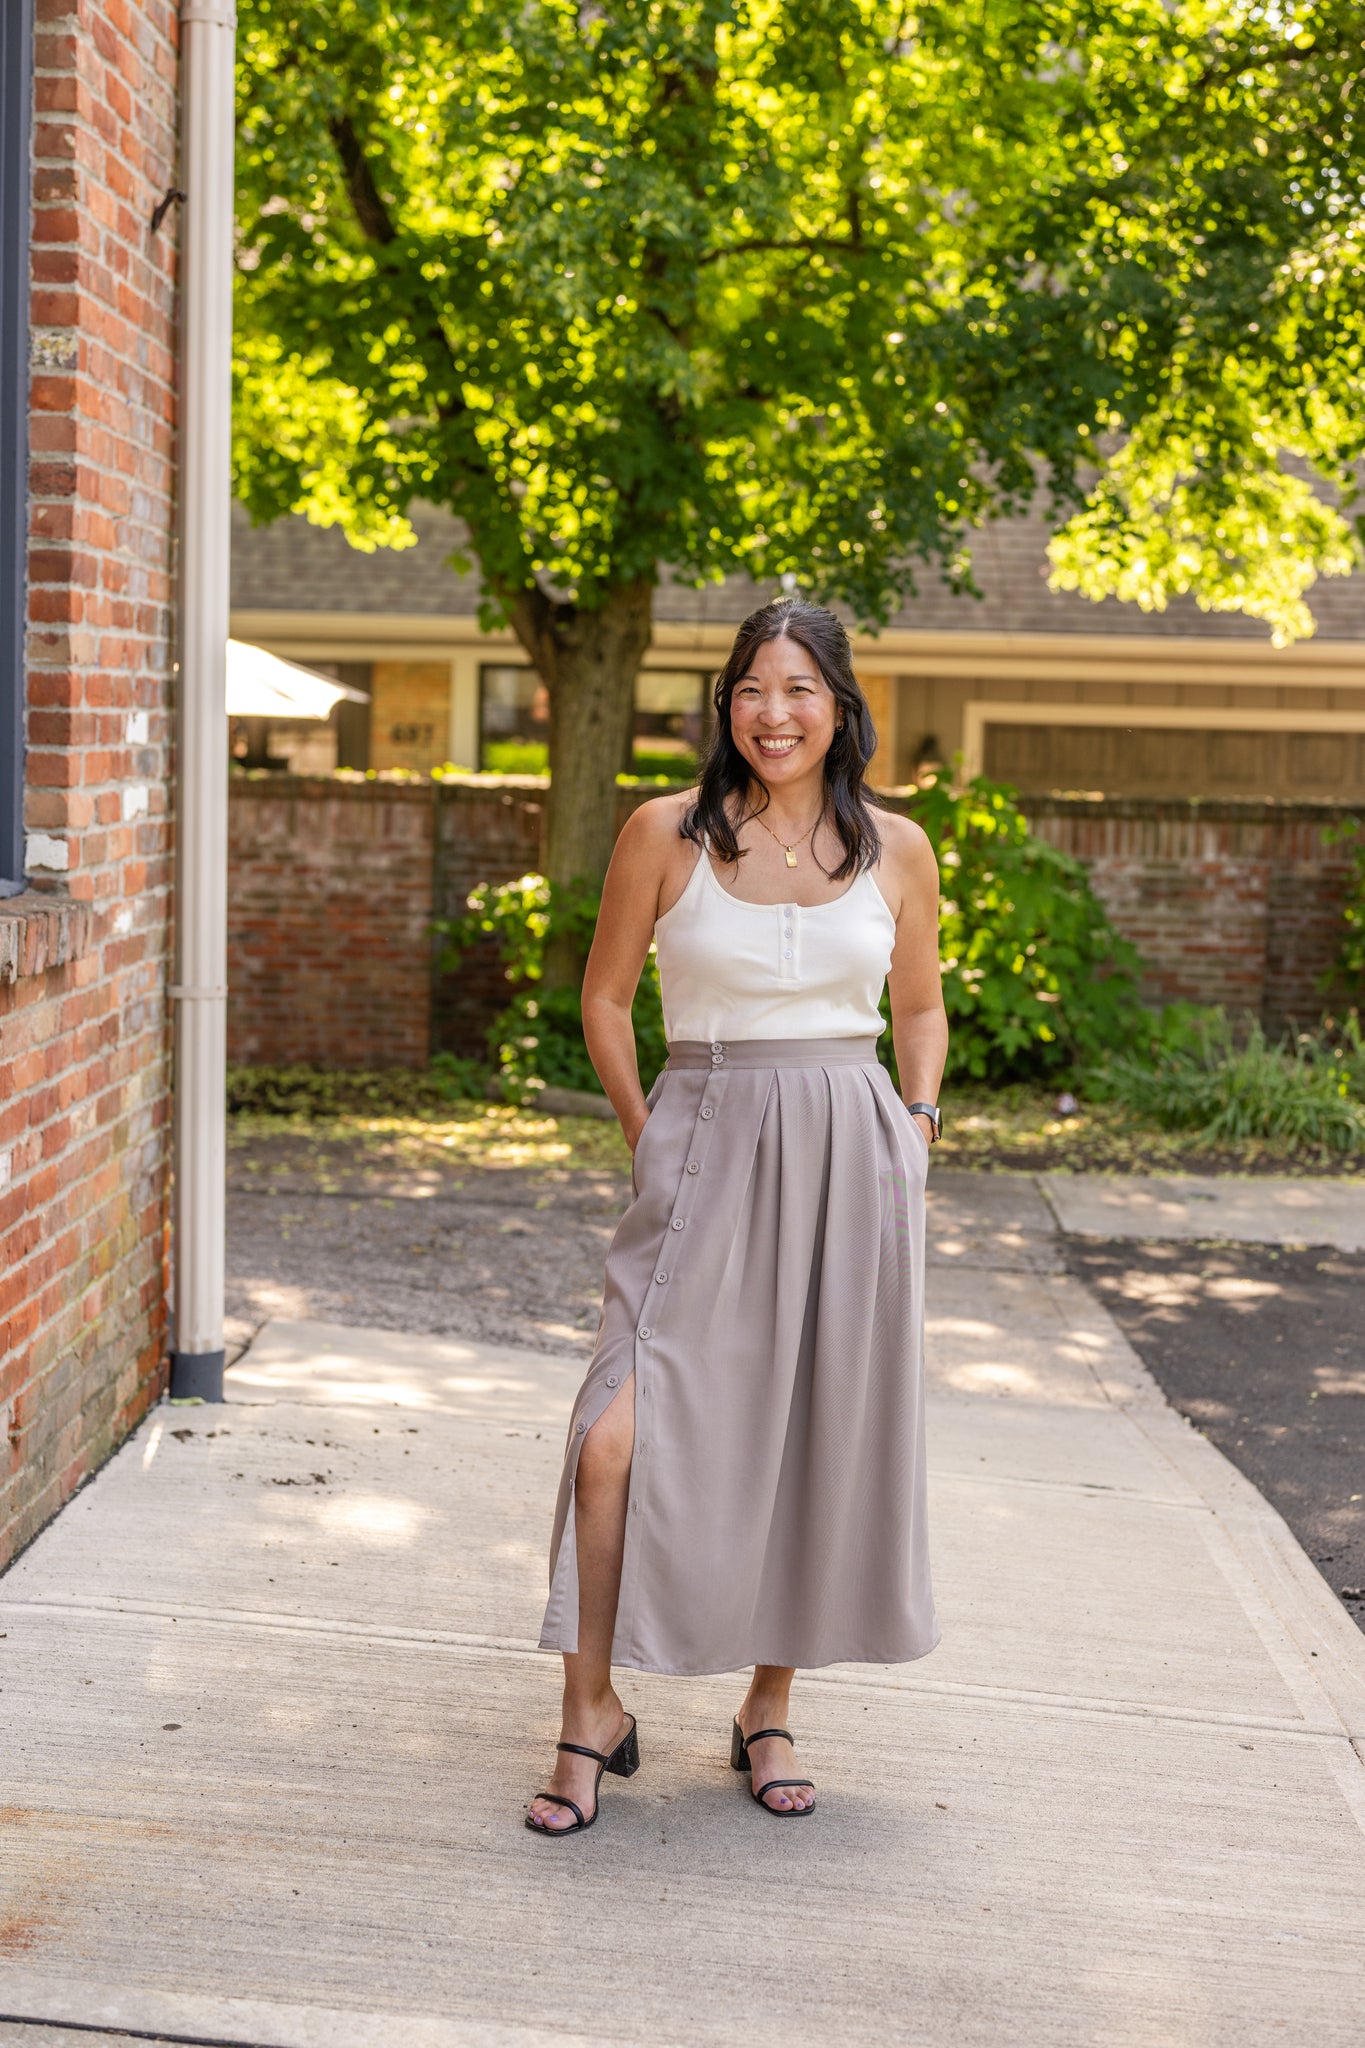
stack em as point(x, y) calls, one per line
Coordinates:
point(720, 1053)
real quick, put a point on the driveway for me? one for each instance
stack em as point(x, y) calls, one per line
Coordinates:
point(273, 1712)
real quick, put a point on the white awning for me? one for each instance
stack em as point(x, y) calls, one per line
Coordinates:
point(260, 685)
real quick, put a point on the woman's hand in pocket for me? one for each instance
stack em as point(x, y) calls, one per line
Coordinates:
point(631, 1132)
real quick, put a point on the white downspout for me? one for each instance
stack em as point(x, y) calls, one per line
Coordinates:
point(208, 36)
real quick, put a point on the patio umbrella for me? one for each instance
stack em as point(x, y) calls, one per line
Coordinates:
point(260, 685)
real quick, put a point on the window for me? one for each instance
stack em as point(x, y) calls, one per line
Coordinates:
point(16, 89)
point(514, 721)
point(672, 708)
point(311, 746)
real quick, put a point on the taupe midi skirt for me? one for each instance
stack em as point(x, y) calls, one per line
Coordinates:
point(766, 1289)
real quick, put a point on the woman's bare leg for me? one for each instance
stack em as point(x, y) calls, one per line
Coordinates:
point(593, 1714)
point(767, 1705)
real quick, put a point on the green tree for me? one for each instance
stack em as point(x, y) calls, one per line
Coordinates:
point(690, 287)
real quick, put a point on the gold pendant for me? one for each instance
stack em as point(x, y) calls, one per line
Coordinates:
point(791, 857)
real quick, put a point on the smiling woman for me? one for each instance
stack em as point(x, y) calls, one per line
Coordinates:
point(744, 1481)
point(795, 715)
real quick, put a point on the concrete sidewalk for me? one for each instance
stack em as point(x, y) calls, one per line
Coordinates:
point(272, 1714)
point(1259, 1209)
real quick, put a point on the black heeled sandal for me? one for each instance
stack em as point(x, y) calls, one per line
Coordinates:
point(623, 1762)
point(739, 1761)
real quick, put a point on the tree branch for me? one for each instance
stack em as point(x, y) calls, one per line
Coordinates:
point(533, 617)
point(844, 246)
point(376, 225)
point(372, 216)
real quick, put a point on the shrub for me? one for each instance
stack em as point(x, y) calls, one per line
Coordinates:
point(1349, 965)
point(537, 1040)
point(1205, 1076)
point(1036, 980)
point(516, 757)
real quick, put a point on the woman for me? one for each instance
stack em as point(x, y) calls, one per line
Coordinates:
point(744, 1481)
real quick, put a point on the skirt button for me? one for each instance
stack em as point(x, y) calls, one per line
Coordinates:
point(707, 1115)
point(611, 1379)
point(692, 1166)
point(676, 1224)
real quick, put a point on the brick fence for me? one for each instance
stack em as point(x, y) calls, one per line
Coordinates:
point(1232, 903)
point(335, 884)
point(329, 910)
point(84, 1044)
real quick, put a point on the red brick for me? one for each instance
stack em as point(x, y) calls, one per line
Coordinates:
point(83, 1046)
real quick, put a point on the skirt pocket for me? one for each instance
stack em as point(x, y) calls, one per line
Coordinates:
point(649, 1130)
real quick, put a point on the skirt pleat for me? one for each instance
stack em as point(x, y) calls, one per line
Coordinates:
point(765, 1290)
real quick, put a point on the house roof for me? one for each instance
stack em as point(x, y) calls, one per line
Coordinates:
point(292, 566)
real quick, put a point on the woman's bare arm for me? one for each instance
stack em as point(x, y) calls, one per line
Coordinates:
point(919, 1023)
point(625, 926)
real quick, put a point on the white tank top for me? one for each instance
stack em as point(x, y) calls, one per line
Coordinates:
point(732, 970)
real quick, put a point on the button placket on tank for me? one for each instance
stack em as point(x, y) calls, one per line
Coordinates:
point(788, 942)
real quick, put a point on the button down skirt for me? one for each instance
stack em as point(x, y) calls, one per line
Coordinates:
point(765, 1290)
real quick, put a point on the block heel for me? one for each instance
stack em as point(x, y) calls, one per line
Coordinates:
point(624, 1760)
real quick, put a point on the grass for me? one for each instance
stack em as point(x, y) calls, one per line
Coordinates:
point(1019, 1128)
point(401, 1122)
point(1229, 1084)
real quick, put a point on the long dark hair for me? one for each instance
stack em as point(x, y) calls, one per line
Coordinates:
point(726, 773)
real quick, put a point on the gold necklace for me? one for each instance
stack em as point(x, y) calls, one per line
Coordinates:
point(790, 851)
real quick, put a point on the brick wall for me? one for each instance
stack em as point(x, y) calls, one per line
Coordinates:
point(334, 885)
point(329, 910)
point(1229, 903)
point(83, 956)
point(1233, 903)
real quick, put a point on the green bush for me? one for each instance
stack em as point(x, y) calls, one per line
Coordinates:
point(1231, 1085)
point(537, 1040)
point(1348, 968)
point(663, 765)
point(1036, 981)
point(532, 757)
point(515, 757)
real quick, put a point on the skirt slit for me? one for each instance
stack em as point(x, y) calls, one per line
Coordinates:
point(764, 1291)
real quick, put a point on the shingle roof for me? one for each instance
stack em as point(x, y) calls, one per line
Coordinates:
point(292, 566)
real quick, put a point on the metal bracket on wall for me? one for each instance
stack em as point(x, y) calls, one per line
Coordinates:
point(163, 206)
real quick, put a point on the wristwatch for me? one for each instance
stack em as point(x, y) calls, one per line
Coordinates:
point(934, 1114)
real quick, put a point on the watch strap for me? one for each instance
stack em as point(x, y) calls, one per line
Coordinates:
point(934, 1114)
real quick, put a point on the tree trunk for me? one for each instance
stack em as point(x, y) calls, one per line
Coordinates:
point(589, 662)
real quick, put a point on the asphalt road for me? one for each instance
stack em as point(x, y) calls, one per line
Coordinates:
point(1264, 1350)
